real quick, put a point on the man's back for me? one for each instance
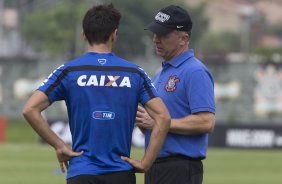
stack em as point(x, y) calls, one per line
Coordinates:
point(101, 92)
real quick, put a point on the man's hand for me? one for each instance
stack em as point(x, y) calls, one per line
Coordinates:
point(64, 154)
point(143, 119)
point(138, 165)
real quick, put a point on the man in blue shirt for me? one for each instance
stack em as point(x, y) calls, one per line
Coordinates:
point(101, 92)
point(187, 89)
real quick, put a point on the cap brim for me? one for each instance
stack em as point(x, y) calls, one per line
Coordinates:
point(158, 29)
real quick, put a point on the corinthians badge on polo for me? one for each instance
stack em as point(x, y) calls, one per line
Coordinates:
point(171, 83)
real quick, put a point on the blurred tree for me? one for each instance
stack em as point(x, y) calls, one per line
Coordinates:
point(200, 23)
point(137, 14)
point(275, 30)
point(219, 43)
point(270, 53)
point(16, 3)
point(56, 30)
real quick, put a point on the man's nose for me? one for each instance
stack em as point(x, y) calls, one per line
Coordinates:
point(156, 38)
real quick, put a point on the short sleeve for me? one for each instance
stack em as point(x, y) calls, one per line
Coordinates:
point(54, 86)
point(147, 89)
point(201, 92)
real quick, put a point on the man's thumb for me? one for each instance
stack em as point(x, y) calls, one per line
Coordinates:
point(125, 158)
point(77, 153)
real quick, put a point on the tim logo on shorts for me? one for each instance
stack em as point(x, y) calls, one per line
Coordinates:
point(103, 115)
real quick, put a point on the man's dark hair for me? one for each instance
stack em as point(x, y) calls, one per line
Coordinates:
point(99, 22)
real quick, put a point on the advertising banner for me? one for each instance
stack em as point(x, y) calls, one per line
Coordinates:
point(246, 136)
point(229, 136)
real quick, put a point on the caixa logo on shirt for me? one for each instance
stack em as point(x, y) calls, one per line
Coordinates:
point(104, 80)
point(103, 115)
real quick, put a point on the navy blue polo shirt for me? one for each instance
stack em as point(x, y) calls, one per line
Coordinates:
point(101, 92)
point(186, 87)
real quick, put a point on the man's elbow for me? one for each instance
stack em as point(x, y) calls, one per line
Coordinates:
point(210, 126)
point(26, 112)
point(165, 122)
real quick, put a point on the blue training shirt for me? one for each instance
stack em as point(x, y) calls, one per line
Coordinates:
point(101, 92)
point(186, 87)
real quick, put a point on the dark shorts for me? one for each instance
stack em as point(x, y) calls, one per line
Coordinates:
point(123, 177)
point(176, 169)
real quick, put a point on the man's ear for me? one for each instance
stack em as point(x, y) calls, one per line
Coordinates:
point(114, 35)
point(185, 38)
point(83, 35)
point(189, 34)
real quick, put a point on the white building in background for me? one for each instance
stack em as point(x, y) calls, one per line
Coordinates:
point(11, 44)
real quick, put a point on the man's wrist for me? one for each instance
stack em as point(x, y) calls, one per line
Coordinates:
point(59, 145)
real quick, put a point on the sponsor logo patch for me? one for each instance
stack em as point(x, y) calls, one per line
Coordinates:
point(102, 61)
point(103, 115)
point(171, 83)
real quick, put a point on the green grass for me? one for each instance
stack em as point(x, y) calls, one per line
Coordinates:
point(33, 163)
point(235, 166)
point(19, 131)
point(27, 163)
point(23, 161)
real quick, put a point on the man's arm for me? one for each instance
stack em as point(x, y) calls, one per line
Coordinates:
point(32, 113)
point(158, 112)
point(194, 124)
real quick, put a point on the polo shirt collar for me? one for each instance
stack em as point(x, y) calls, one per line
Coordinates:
point(179, 59)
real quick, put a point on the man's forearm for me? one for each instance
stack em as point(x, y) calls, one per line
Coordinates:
point(41, 127)
point(37, 103)
point(193, 124)
point(158, 135)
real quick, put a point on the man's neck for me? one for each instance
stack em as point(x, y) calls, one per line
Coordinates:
point(100, 48)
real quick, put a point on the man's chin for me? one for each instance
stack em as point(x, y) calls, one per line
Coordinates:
point(159, 53)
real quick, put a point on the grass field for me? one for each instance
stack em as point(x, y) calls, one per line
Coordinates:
point(23, 161)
